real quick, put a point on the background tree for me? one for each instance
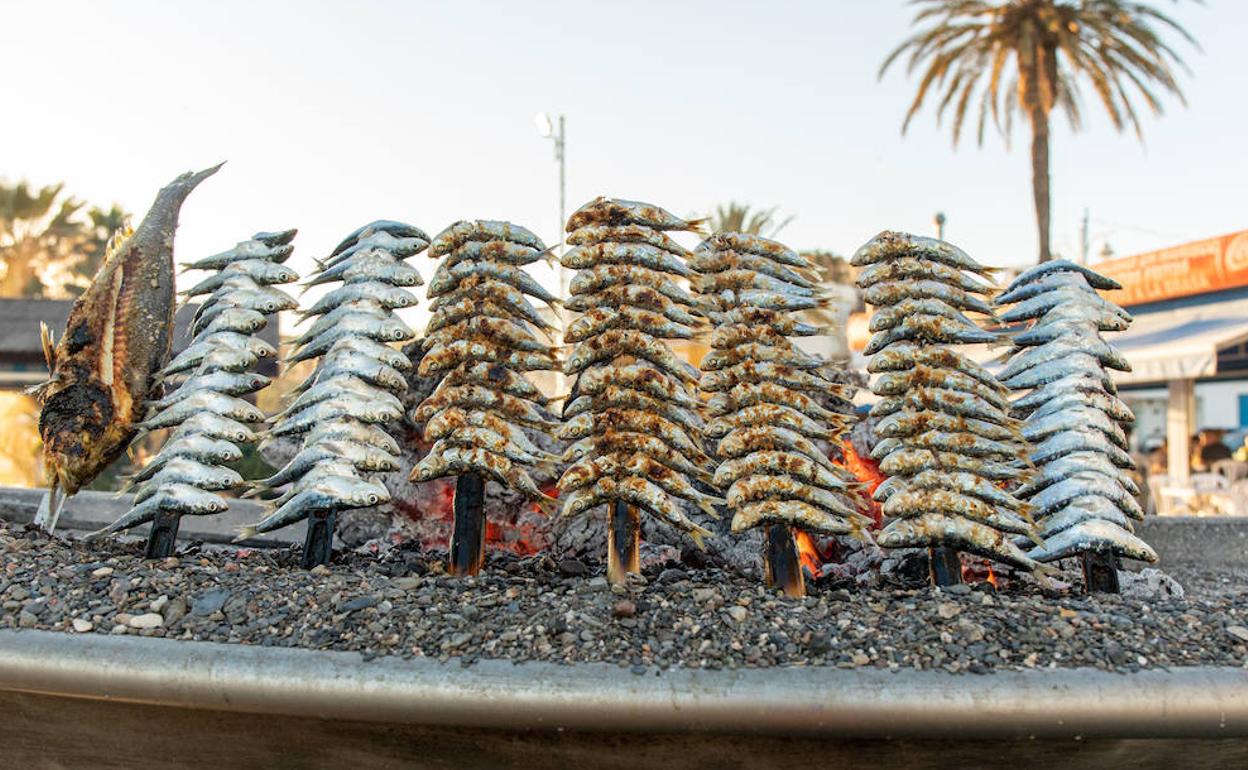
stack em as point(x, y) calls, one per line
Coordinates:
point(48, 248)
point(737, 218)
point(1033, 56)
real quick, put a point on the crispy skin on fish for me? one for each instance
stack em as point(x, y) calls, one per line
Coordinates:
point(116, 339)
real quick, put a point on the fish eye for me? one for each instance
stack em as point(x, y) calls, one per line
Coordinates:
point(372, 499)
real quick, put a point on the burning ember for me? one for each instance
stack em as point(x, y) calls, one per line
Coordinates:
point(512, 528)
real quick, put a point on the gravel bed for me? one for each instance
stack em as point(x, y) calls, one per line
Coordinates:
point(538, 608)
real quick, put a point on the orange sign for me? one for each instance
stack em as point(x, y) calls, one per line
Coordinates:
point(1179, 271)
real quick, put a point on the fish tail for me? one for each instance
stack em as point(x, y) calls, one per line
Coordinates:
point(48, 340)
point(696, 226)
point(245, 533)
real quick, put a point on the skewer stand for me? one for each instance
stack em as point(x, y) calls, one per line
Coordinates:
point(467, 548)
point(781, 562)
point(945, 566)
point(623, 541)
point(1100, 572)
point(319, 541)
point(163, 537)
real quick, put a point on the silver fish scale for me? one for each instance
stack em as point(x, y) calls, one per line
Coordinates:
point(945, 440)
point(482, 349)
point(627, 287)
point(761, 421)
point(340, 412)
point(206, 412)
point(1082, 493)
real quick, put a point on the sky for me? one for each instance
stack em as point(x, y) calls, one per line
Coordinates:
point(332, 114)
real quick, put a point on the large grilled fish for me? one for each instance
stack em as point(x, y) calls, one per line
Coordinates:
point(116, 340)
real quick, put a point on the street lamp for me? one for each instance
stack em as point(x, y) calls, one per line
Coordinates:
point(546, 128)
point(939, 219)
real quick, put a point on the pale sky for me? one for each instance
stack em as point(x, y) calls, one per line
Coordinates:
point(334, 114)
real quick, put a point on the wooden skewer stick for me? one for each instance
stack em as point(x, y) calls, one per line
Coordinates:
point(163, 537)
point(1100, 572)
point(319, 540)
point(468, 535)
point(623, 541)
point(782, 563)
point(945, 566)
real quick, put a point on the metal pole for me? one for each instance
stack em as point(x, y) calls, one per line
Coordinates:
point(939, 219)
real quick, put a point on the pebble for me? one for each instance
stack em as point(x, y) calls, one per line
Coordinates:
point(102, 572)
point(401, 603)
point(146, 620)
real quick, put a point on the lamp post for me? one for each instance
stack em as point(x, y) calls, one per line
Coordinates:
point(546, 127)
point(939, 219)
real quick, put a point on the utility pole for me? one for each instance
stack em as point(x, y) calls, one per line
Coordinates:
point(939, 219)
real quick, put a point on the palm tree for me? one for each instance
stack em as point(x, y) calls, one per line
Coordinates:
point(737, 218)
point(1035, 55)
point(46, 248)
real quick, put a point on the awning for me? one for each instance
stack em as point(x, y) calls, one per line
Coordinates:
point(1177, 351)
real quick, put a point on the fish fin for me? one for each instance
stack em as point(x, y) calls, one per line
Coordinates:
point(47, 338)
point(245, 533)
point(708, 507)
point(696, 226)
point(698, 535)
point(547, 504)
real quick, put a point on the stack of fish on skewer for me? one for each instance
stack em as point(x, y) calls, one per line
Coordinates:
point(947, 442)
point(1083, 496)
point(480, 341)
point(340, 410)
point(632, 410)
point(765, 395)
point(207, 411)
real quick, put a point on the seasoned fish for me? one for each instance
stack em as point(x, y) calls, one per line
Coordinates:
point(802, 514)
point(641, 297)
point(601, 277)
point(444, 460)
point(446, 280)
point(777, 415)
point(499, 331)
point(892, 292)
point(460, 233)
point(330, 494)
point(117, 338)
point(928, 328)
point(613, 397)
point(635, 491)
point(710, 262)
point(920, 502)
point(919, 267)
point(961, 533)
point(645, 255)
point(443, 356)
point(598, 320)
point(595, 423)
point(766, 371)
point(640, 376)
point(595, 234)
point(755, 352)
point(909, 462)
point(616, 212)
point(627, 342)
point(784, 463)
point(511, 407)
point(890, 245)
point(628, 442)
point(484, 288)
point(506, 252)
point(752, 244)
point(908, 423)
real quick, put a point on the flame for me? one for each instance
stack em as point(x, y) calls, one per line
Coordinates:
point(807, 551)
point(867, 471)
point(992, 578)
